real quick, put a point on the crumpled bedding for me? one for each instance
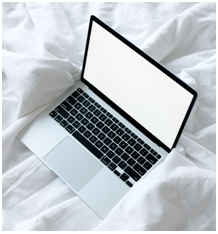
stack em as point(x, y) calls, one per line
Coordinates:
point(43, 48)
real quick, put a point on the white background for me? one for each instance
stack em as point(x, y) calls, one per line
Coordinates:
point(43, 49)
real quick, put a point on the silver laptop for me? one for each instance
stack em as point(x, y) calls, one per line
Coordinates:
point(109, 130)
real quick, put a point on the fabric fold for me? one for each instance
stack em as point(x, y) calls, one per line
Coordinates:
point(43, 49)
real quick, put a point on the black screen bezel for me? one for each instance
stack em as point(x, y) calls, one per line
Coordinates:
point(157, 65)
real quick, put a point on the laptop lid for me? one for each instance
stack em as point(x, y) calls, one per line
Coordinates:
point(140, 89)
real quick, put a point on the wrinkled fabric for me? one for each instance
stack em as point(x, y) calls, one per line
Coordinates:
point(43, 47)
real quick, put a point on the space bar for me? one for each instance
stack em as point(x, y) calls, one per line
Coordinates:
point(87, 144)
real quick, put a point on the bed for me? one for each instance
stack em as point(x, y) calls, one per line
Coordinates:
point(43, 48)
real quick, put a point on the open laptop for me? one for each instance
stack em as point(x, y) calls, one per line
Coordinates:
point(109, 130)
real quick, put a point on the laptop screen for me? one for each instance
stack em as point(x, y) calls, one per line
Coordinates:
point(140, 89)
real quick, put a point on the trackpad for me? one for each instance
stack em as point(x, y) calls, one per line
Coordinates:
point(72, 163)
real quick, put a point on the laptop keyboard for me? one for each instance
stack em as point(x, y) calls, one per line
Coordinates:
point(121, 150)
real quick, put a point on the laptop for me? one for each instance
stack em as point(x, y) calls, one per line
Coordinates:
point(115, 125)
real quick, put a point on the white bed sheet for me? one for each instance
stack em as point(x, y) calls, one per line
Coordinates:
point(43, 48)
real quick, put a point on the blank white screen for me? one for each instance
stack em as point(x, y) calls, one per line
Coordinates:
point(140, 89)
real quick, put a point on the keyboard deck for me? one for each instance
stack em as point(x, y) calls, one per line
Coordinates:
point(121, 150)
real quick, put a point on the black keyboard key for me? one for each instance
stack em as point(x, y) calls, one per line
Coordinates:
point(108, 122)
point(117, 172)
point(158, 156)
point(116, 159)
point(91, 100)
point(82, 129)
point(94, 120)
point(97, 105)
point(129, 150)
point(70, 119)
point(103, 110)
point(140, 141)
point(104, 149)
point(80, 98)
point(107, 141)
point(110, 154)
point(78, 106)
point(103, 117)
point(147, 147)
point(147, 165)
point(120, 132)
point(62, 112)
point(117, 139)
point(111, 134)
point(141, 160)
point(80, 90)
point(114, 127)
point(64, 123)
point(74, 112)
point(76, 124)
point(86, 103)
point(129, 183)
point(127, 130)
point(70, 128)
point(112, 166)
point(121, 125)
point(151, 159)
point(143, 152)
point(101, 136)
point(96, 131)
point(105, 160)
point(89, 115)
point(79, 117)
point(93, 139)
point(131, 162)
point(115, 120)
point(97, 112)
point(124, 177)
point(83, 110)
point(109, 115)
point(119, 151)
point(135, 155)
point(58, 118)
point(105, 129)
point(139, 169)
point(123, 145)
point(153, 152)
point(71, 100)
point(132, 173)
point(87, 134)
point(137, 147)
point(85, 121)
point(53, 114)
point(131, 141)
point(113, 146)
point(92, 108)
point(75, 94)
point(134, 135)
point(125, 156)
point(122, 164)
point(85, 95)
point(100, 125)
point(125, 137)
